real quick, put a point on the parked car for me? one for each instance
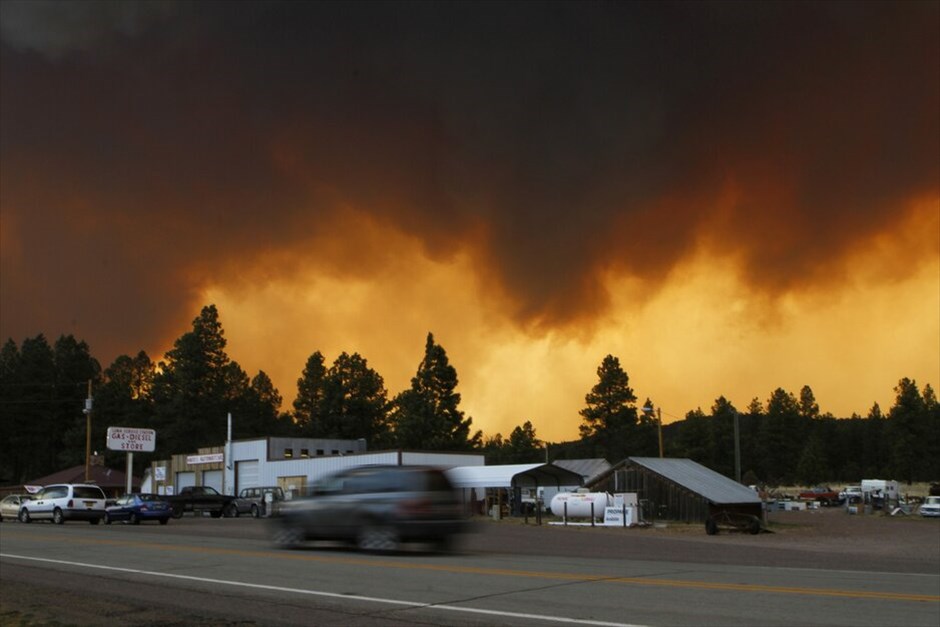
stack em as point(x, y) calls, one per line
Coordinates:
point(137, 508)
point(930, 507)
point(852, 493)
point(65, 501)
point(200, 499)
point(375, 507)
point(254, 501)
point(10, 506)
point(822, 493)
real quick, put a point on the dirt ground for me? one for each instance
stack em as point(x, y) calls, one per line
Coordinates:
point(821, 538)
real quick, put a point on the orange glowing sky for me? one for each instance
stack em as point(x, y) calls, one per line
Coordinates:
point(730, 198)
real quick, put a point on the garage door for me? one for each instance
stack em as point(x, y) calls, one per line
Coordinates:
point(246, 475)
point(184, 479)
point(213, 479)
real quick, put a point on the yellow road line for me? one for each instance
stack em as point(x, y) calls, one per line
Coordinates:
point(476, 570)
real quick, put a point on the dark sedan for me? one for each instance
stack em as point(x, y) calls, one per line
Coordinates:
point(136, 508)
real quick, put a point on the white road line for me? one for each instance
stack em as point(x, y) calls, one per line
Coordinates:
point(320, 593)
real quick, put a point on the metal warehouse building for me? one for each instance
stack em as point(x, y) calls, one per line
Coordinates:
point(678, 489)
point(291, 463)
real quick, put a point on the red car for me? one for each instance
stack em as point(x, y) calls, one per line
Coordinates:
point(822, 493)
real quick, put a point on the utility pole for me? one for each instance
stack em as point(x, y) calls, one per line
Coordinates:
point(737, 448)
point(87, 412)
point(648, 410)
point(659, 422)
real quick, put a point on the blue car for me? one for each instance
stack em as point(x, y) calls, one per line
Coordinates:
point(135, 508)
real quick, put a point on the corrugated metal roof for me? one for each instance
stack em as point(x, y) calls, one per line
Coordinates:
point(587, 468)
point(502, 476)
point(714, 486)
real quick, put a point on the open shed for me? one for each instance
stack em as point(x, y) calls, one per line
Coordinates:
point(511, 478)
point(678, 489)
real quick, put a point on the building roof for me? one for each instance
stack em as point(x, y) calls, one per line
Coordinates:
point(587, 468)
point(509, 475)
point(713, 486)
point(104, 477)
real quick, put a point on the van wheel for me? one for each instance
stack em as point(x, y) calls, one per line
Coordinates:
point(134, 519)
point(231, 511)
point(57, 516)
point(177, 512)
point(378, 538)
point(255, 512)
point(24, 516)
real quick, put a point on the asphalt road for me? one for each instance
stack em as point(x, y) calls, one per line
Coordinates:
point(212, 572)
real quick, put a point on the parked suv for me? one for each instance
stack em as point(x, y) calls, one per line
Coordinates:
point(254, 501)
point(375, 507)
point(930, 507)
point(65, 501)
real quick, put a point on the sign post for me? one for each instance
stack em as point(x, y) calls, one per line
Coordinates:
point(129, 440)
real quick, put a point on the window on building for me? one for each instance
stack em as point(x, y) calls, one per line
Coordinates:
point(335, 452)
point(319, 451)
point(304, 452)
point(288, 453)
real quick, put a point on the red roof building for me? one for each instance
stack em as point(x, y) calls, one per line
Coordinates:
point(113, 482)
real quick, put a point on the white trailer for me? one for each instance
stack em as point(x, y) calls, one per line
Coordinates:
point(882, 492)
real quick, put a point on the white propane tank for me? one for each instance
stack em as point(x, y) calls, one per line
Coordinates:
point(579, 504)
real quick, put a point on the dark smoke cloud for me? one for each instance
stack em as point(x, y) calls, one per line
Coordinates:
point(553, 141)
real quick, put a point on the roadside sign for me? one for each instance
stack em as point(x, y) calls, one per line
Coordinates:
point(209, 458)
point(131, 440)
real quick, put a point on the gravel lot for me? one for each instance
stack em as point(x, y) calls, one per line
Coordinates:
point(823, 538)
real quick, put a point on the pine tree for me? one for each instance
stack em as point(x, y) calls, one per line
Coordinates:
point(427, 415)
point(197, 387)
point(124, 399)
point(355, 402)
point(610, 417)
point(74, 368)
point(524, 445)
point(809, 408)
point(781, 438)
point(308, 404)
point(908, 423)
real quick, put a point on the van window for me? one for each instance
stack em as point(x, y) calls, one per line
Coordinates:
point(87, 492)
point(371, 482)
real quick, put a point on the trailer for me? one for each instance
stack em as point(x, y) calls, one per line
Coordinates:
point(732, 521)
point(881, 493)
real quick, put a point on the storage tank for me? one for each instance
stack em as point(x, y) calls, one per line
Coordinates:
point(579, 504)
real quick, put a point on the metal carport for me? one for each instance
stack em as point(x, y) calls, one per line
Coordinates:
point(513, 477)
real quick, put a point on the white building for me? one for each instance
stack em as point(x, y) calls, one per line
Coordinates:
point(291, 463)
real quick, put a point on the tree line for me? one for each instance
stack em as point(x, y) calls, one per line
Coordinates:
point(186, 396)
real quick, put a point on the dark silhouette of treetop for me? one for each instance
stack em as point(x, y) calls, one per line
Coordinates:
point(427, 415)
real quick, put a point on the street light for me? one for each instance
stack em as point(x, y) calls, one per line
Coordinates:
point(659, 424)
